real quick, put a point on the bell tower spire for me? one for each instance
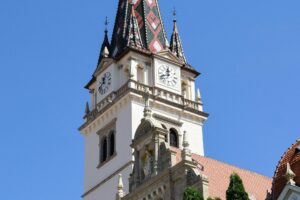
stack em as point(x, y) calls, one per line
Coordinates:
point(176, 45)
point(133, 36)
point(150, 25)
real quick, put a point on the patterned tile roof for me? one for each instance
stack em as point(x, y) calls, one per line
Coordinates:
point(291, 156)
point(218, 173)
point(149, 21)
point(175, 44)
point(133, 36)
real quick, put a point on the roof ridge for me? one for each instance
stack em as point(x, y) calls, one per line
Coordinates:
point(228, 164)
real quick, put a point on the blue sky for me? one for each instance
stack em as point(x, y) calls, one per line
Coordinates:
point(247, 51)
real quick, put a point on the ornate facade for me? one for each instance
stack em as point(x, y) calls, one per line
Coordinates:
point(143, 125)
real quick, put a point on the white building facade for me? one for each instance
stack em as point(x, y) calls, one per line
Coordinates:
point(138, 61)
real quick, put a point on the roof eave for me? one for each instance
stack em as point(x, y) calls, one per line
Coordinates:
point(93, 80)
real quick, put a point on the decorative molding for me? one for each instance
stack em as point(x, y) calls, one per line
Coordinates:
point(131, 86)
point(167, 119)
point(107, 128)
point(107, 179)
point(105, 63)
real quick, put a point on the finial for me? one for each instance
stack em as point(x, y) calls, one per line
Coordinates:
point(167, 43)
point(147, 110)
point(87, 108)
point(106, 23)
point(174, 14)
point(120, 193)
point(185, 143)
point(186, 152)
point(290, 175)
point(198, 95)
point(120, 182)
point(105, 52)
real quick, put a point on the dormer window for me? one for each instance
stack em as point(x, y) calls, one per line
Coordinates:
point(174, 138)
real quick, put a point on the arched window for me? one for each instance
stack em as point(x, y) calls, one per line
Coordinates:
point(112, 143)
point(174, 138)
point(104, 149)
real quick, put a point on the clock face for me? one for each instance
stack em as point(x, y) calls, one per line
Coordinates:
point(105, 83)
point(167, 75)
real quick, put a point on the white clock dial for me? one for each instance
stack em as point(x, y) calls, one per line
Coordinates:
point(105, 83)
point(167, 75)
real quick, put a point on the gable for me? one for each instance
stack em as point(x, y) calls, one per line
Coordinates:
point(290, 193)
point(169, 56)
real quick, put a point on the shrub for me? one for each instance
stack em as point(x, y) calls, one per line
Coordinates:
point(236, 190)
point(192, 193)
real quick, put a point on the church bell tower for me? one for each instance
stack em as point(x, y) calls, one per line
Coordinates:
point(139, 60)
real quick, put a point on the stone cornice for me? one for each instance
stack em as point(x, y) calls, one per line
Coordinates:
point(167, 119)
point(107, 126)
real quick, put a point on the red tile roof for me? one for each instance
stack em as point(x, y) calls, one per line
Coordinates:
point(218, 173)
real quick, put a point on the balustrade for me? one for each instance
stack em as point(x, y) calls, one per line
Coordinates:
point(157, 93)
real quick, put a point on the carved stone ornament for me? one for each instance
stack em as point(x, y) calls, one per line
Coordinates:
point(290, 175)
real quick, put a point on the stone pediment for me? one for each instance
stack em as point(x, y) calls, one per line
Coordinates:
point(169, 56)
point(105, 62)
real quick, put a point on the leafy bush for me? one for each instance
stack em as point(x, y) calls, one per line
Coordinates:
point(192, 193)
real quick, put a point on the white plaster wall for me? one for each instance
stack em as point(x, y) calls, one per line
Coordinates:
point(195, 135)
point(193, 91)
point(123, 76)
point(93, 175)
point(108, 190)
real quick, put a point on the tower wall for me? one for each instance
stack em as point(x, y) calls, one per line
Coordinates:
point(103, 177)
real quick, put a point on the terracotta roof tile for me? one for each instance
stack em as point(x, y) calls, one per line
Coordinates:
point(291, 156)
point(218, 173)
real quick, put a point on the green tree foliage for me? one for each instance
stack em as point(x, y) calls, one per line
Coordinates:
point(236, 190)
point(192, 193)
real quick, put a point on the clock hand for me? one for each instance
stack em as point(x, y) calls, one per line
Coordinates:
point(162, 76)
